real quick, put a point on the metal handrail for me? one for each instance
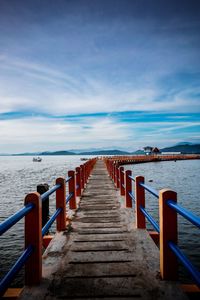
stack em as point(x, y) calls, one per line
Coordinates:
point(132, 196)
point(4, 283)
point(150, 219)
point(12, 220)
point(185, 261)
point(68, 179)
point(131, 177)
point(51, 191)
point(195, 220)
point(69, 197)
point(149, 189)
point(51, 220)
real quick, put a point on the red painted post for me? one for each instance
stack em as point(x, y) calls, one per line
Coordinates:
point(128, 188)
point(33, 236)
point(81, 175)
point(168, 232)
point(78, 181)
point(118, 177)
point(61, 203)
point(139, 200)
point(121, 176)
point(72, 189)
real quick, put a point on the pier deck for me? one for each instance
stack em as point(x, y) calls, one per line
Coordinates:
point(102, 255)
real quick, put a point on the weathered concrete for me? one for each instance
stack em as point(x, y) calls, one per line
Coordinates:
point(102, 255)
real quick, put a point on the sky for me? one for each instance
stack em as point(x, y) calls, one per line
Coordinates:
point(81, 74)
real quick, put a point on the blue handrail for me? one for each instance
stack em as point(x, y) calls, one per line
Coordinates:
point(150, 189)
point(68, 179)
point(4, 283)
point(50, 222)
point(131, 177)
point(69, 197)
point(150, 219)
point(185, 213)
point(51, 191)
point(185, 261)
point(132, 196)
point(12, 220)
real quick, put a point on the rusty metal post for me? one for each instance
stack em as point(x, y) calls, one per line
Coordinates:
point(121, 176)
point(78, 181)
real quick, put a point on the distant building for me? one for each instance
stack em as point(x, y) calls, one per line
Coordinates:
point(151, 150)
point(155, 150)
point(148, 150)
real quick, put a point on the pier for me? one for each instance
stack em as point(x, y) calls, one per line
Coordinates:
point(102, 248)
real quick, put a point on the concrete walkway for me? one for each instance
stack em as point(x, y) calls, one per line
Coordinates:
point(102, 255)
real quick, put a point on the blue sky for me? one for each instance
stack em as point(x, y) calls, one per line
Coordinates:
point(98, 74)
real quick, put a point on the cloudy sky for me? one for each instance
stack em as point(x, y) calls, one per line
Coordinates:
point(98, 74)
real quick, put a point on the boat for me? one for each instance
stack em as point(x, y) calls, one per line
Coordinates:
point(37, 159)
point(83, 158)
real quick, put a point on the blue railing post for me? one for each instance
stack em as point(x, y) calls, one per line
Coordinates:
point(128, 188)
point(168, 233)
point(33, 237)
point(139, 201)
point(61, 203)
point(72, 189)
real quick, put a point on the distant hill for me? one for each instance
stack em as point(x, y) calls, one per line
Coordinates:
point(183, 148)
point(63, 152)
point(105, 152)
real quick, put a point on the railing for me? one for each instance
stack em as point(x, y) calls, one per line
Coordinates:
point(166, 234)
point(34, 232)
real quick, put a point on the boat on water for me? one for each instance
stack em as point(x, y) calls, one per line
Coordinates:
point(83, 158)
point(37, 159)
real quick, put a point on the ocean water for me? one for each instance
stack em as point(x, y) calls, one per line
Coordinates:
point(184, 178)
point(20, 175)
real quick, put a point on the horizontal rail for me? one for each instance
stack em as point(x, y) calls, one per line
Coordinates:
point(185, 261)
point(51, 191)
point(150, 219)
point(150, 189)
point(4, 283)
point(50, 222)
point(12, 220)
point(68, 179)
point(131, 177)
point(69, 197)
point(195, 220)
point(132, 196)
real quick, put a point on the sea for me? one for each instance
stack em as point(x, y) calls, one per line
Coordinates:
point(19, 175)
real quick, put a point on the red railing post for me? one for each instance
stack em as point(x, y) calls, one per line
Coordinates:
point(72, 189)
point(78, 181)
point(118, 177)
point(33, 236)
point(139, 200)
point(168, 232)
point(121, 176)
point(128, 188)
point(82, 177)
point(61, 203)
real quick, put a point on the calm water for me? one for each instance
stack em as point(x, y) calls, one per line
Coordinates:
point(184, 178)
point(19, 176)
